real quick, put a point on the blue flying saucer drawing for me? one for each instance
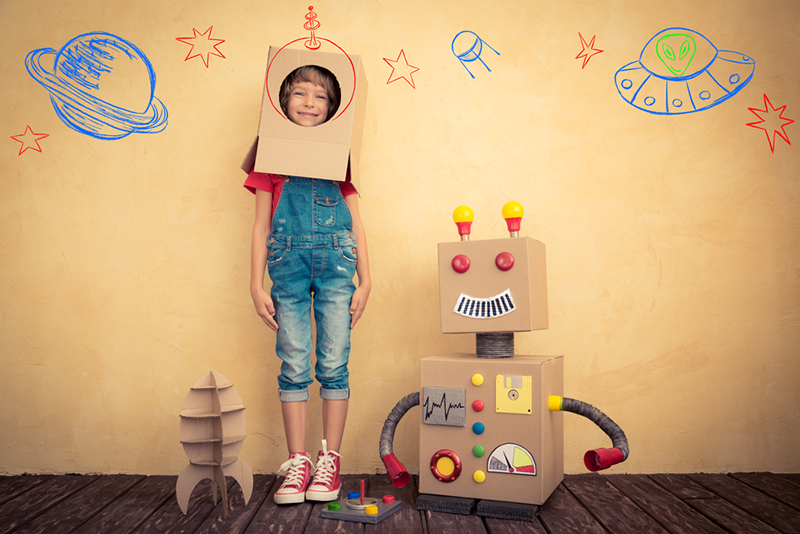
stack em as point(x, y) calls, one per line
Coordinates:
point(100, 85)
point(680, 71)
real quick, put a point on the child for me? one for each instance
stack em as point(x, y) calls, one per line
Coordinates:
point(309, 235)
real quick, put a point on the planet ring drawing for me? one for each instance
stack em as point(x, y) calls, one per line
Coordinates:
point(81, 84)
point(680, 71)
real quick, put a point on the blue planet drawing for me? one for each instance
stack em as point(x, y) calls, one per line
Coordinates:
point(680, 71)
point(100, 85)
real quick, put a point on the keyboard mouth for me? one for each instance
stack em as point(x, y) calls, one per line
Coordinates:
point(488, 308)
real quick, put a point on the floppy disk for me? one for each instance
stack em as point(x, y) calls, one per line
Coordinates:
point(513, 394)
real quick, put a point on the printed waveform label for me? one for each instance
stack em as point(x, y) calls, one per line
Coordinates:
point(444, 406)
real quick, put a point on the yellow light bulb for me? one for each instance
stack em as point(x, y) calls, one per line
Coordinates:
point(513, 209)
point(463, 214)
point(512, 213)
point(463, 217)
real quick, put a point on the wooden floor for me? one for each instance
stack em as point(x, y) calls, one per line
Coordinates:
point(760, 503)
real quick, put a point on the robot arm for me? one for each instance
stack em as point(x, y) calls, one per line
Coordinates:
point(602, 458)
point(394, 467)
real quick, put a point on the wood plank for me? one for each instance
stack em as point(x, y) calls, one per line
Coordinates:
point(682, 487)
point(730, 517)
point(239, 515)
point(12, 486)
point(563, 514)
point(792, 477)
point(707, 503)
point(776, 486)
point(505, 526)
point(129, 510)
point(286, 518)
point(611, 508)
point(463, 524)
point(318, 525)
point(38, 500)
point(774, 513)
point(672, 513)
point(170, 518)
point(80, 506)
point(408, 519)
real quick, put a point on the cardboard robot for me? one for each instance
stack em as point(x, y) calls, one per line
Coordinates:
point(491, 431)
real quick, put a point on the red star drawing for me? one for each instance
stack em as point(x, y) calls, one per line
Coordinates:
point(401, 70)
point(770, 123)
point(588, 50)
point(205, 47)
point(29, 139)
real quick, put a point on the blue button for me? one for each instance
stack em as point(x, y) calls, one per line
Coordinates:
point(478, 428)
point(354, 495)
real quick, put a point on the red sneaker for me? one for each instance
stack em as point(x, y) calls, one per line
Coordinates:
point(298, 474)
point(326, 483)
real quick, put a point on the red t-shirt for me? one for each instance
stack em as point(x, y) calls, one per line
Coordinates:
point(273, 183)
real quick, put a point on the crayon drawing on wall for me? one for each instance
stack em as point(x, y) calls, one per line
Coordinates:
point(472, 47)
point(588, 51)
point(87, 80)
point(772, 121)
point(203, 46)
point(29, 140)
point(680, 71)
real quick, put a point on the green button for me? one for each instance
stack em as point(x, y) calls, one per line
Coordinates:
point(478, 450)
point(334, 506)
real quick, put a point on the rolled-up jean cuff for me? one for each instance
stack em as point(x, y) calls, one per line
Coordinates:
point(334, 394)
point(293, 395)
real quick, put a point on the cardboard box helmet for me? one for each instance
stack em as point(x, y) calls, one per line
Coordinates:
point(323, 151)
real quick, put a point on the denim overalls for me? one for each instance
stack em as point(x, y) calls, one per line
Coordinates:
point(312, 256)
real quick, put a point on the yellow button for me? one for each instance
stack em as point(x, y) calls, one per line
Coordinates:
point(478, 476)
point(477, 379)
point(446, 466)
point(371, 510)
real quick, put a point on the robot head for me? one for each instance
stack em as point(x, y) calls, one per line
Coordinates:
point(496, 285)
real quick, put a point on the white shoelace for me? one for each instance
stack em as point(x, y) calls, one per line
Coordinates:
point(294, 476)
point(325, 466)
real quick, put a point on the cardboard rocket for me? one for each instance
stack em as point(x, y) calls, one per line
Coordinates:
point(213, 429)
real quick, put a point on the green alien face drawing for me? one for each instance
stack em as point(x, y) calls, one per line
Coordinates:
point(676, 50)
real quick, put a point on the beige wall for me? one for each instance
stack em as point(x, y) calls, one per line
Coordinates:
point(672, 242)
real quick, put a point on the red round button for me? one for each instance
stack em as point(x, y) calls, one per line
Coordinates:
point(388, 499)
point(477, 405)
point(461, 264)
point(504, 261)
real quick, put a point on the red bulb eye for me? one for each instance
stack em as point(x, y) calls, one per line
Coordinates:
point(504, 261)
point(461, 264)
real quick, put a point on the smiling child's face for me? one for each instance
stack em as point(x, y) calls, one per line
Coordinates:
point(308, 104)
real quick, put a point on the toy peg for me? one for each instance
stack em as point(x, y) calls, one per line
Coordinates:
point(512, 213)
point(463, 217)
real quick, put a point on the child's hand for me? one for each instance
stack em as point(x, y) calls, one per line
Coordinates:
point(358, 303)
point(265, 308)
